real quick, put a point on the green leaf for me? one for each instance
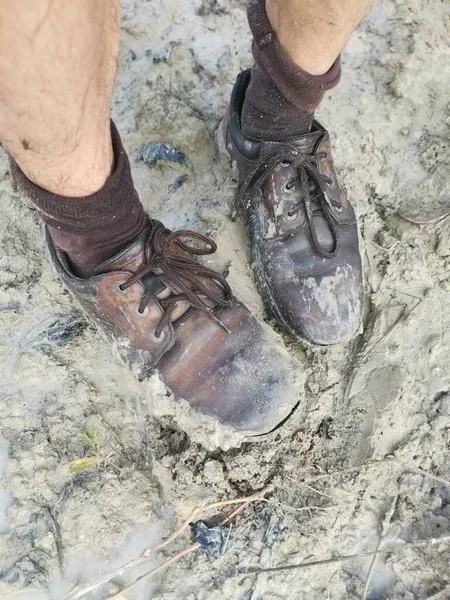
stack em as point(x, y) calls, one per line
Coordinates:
point(91, 439)
point(82, 464)
point(92, 433)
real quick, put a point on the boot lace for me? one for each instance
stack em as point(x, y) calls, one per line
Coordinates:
point(307, 173)
point(195, 283)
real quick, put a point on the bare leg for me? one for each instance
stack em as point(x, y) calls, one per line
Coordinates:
point(314, 32)
point(296, 45)
point(57, 69)
point(57, 65)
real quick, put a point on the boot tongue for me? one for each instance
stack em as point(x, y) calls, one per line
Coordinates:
point(130, 259)
point(307, 143)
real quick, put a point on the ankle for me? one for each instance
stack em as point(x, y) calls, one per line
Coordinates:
point(282, 97)
point(93, 228)
point(267, 115)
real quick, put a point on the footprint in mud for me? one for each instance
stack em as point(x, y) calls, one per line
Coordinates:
point(383, 389)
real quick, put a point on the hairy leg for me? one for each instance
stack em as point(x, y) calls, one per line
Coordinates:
point(57, 69)
point(296, 46)
point(314, 32)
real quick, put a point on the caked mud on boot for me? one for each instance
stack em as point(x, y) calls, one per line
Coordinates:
point(304, 234)
point(164, 311)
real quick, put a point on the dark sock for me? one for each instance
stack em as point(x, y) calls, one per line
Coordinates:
point(94, 228)
point(281, 98)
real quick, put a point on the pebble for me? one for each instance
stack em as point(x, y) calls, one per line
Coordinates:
point(213, 471)
point(443, 245)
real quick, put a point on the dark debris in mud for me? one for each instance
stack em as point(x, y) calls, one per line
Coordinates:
point(179, 181)
point(215, 539)
point(58, 332)
point(212, 7)
point(157, 152)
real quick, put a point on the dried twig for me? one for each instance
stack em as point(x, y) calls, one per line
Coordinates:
point(340, 559)
point(368, 347)
point(401, 463)
point(154, 548)
point(388, 459)
point(244, 503)
point(157, 569)
point(310, 487)
point(424, 220)
point(187, 550)
point(387, 520)
point(202, 509)
point(329, 583)
point(225, 546)
point(302, 508)
point(370, 572)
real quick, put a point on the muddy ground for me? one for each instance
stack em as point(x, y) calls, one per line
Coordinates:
point(363, 465)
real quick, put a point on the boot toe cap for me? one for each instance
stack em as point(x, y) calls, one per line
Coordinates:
point(244, 380)
point(330, 308)
point(321, 306)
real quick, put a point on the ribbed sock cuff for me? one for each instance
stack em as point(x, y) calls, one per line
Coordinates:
point(88, 212)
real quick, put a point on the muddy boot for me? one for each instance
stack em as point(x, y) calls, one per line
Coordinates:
point(162, 309)
point(303, 228)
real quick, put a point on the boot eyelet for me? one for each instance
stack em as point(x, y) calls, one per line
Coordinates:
point(285, 164)
point(338, 209)
point(141, 313)
point(157, 338)
point(120, 289)
point(289, 189)
point(291, 216)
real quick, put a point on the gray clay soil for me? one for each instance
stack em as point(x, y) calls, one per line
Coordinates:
point(363, 465)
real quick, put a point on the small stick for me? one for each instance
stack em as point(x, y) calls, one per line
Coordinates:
point(340, 559)
point(185, 551)
point(387, 521)
point(157, 569)
point(420, 471)
point(198, 510)
point(404, 293)
point(315, 491)
point(370, 572)
point(227, 540)
point(367, 465)
point(422, 221)
point(302, 508)
point(140, 559)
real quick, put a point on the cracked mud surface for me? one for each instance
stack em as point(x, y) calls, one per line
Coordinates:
point(363, 464)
